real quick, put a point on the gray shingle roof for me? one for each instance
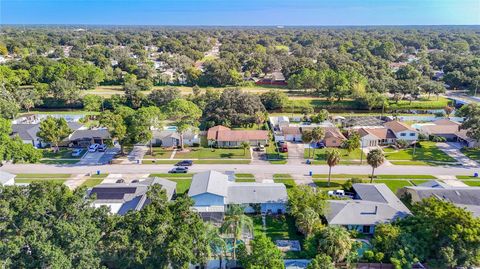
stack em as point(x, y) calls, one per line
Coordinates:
point(29, 131)
point(237, 193)
point(89, 133)
point(456, 195)
point(209, 182)
point(376, 204)
point(257, 193)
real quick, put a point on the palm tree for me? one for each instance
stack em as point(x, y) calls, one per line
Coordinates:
point(244, 145)
point(375, 158)
point(333, 158)
point(235, 223)
point(307, 138)
point(307, 221)
point(317, 136)
point(335, 242)
point(217, 245)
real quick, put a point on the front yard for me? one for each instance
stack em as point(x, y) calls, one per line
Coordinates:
point(427, 153)
point(319, 156)
point(274, 156)
point(213, 153)
point(61, 154)
point(183, 181)
point(471, 153)
point(29, 178)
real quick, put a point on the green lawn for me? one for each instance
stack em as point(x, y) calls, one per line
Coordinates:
point(473, 154)
point(59, 161)
point(274, 156)
point(427, 153)
point(159, 161)
point(43, 176)
point(289, 182)
point(417, 182)
point(94, 180)
point(215, 153)
point(60, 154)
point(393, 184)
point(31, 180)
point(334, 184)
point(160, 153)
point(280, 227)
point(319, 156)
point(219, 161)
point(244, 177)
point(183, 180)
point(467, 177)
point(348, 176)
point(472, 183)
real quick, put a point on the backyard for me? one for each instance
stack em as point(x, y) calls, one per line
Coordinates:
point(427, 153)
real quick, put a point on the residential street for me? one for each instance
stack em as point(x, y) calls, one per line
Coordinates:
point(239, 168)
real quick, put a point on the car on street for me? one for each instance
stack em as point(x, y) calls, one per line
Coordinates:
point(93, 147)
point(102, 148)
point(77, 152)
point(184, 163)
point(178, 170)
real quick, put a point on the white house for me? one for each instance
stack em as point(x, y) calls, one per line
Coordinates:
point(169, 137)
point(212, 192)
point(374, 137)
point(402, 131)
point(7, 179)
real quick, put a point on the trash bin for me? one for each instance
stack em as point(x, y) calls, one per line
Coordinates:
point(475, 174)
point(307, 162)
point(98, 172)
point(310, 173)
point(138, 161)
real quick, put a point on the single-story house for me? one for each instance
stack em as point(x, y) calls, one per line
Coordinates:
point(448, 129)
point(123, 197)
point(373, 204)
point(274, 78)
point(86, 137)
point(374, 137)
point(7, 179)
point(464, 197)
point(333, 137)
point(171, 138)
point(28, 132)
point(363, 122)
point(212, 192)
point(402, 131)
point(292, 133)
point(225, 137)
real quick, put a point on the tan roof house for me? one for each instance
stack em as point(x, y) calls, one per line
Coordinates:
point(225, 137)
point(402, 130)
point(333, 137)
point(373, 137)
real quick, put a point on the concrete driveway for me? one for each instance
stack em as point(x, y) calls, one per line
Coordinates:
point(295, 153)
point(452, 149)
point(91, 158)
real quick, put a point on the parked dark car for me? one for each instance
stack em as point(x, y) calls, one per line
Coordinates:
point(283, 148)
point(184, 163)
point(178, 170)
point(320, 145)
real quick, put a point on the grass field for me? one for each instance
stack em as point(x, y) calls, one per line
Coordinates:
point(59, 161)
point(393, 184)
point(160, 153)
point(348, 176)
point(274, 156)
point(472, 183)
point(467, 177)
point(243, 177)
point(215, 153)
point(427, 152)
point(323, 184)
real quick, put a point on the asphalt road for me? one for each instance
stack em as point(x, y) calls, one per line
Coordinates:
point(266, 169)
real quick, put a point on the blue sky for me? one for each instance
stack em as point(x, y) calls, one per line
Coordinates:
point(241, 12)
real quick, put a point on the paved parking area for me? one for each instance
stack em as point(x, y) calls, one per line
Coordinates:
point(91, 158)
point(295, 153)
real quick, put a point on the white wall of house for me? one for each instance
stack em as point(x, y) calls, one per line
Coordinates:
point(293, 137)
point(407, 135)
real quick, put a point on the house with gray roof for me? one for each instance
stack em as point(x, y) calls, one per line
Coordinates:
point(28, 132)
point(463, 197)
point(7, 179)
point(373, 204)
point(213, 191)
point(123, 197)
point(85, 137)
point(169, 137)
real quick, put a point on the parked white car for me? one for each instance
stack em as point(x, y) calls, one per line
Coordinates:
point(93, 147)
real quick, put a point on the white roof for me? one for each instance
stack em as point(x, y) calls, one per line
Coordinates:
point(5, 177)
point(209, 182)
